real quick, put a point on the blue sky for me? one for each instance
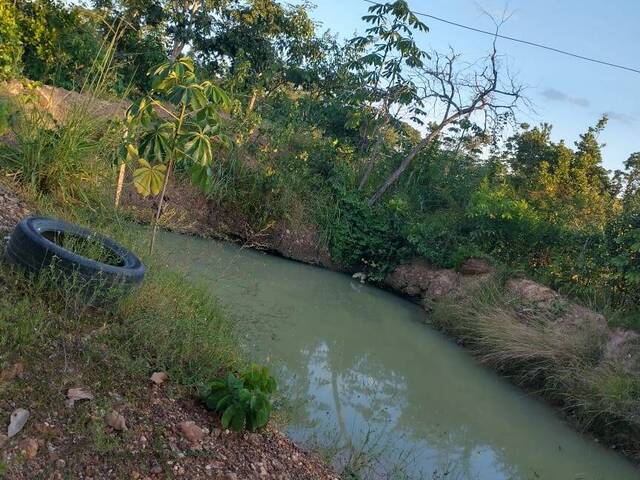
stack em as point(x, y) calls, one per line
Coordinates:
point(569, 93)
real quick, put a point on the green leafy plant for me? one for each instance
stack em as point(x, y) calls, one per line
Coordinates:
point(244, 401)
point(10, 44)
point(177, 122)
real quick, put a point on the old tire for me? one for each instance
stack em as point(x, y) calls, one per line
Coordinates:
point(36, 244)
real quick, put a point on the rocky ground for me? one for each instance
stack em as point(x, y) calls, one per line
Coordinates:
point(12, 209)
point(149, 435)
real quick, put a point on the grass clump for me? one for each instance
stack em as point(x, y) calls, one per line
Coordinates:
point(167, 324)
point(558, 353)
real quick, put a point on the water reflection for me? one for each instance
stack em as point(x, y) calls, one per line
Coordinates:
point(363, 369)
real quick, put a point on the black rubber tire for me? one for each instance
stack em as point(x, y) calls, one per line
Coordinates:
point(29, 248)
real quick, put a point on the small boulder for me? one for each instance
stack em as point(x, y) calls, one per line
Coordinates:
point(17, 421)
point(192, 432)
point(159, 377)
point(14, 371)
point(476, 266)
point(77, 394)
point(29, 448)
point(623, 348)
point(531, 291)
point(115, 420)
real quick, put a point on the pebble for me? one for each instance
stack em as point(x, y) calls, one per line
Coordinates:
point(192, 432)
point(159, 377)
point(18, 419)
point(116, 420)
point(29, 448)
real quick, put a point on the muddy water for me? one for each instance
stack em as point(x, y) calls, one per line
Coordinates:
point(360, 367)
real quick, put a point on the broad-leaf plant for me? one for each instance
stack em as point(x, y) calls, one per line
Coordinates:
point(177, 123)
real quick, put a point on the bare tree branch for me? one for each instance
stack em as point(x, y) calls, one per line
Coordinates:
point(459, 91)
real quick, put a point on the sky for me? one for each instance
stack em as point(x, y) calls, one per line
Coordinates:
point(569, 93)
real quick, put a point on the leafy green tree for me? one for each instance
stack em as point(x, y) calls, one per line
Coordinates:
point(10, 43)
point(260, 44)
point(61, 43)
point(388, 47)
point(177, 122)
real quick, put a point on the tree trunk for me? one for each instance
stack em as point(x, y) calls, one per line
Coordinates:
point(160, 203)
point(252, 101)
point(176, 51)
point(402, 167)
point(121, 172)
point(375, 151)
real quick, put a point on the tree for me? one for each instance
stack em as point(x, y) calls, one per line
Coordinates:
point(456, 93)
point(177, 122)
point(258, 42)
point(11, 46)
point(389, 47)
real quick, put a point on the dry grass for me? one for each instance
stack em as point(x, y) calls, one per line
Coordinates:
point(563, 362)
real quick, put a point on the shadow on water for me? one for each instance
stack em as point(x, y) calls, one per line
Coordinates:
point(363, 373)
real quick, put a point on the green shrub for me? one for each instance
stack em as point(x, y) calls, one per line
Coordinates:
point(67, 158)
point(10, 44)
point(60, 43)
point(243, 401)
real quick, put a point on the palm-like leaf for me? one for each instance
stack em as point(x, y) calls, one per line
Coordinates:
point(148, 179)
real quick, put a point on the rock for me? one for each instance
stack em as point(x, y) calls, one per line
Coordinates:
point(29, 448)
point(3, 440)
point(76, 394)
point(424, 282)
point(60, 464)
point(192, 432)
point(623, 348)
point(18, 419)
point(116, 420)
point(159, 377)
point(476, 266)
point(531, 291)
point(443, 283)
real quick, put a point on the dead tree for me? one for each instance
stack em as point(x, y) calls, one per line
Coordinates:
point(453, 91)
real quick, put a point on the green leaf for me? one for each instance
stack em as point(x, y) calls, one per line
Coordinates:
point(227, 416)
point(148, 179)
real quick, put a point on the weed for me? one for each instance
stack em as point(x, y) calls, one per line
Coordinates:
point(243, 401)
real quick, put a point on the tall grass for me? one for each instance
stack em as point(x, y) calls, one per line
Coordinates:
point(64, 154)
point(561, 360)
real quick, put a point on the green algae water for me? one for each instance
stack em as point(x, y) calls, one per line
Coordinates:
point(360, 369)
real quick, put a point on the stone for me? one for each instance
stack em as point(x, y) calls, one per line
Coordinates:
point(623, 349)
point(29, 448)
point(159, 377)
point(476, 266)
point(531, 291)
point(3, 440)
point(116, 421)
point(77, 394)
point(192, 432)
point(14, 371)
point(18, 419)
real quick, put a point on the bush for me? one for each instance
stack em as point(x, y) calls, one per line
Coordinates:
point(60, 43)
point(10, 45)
